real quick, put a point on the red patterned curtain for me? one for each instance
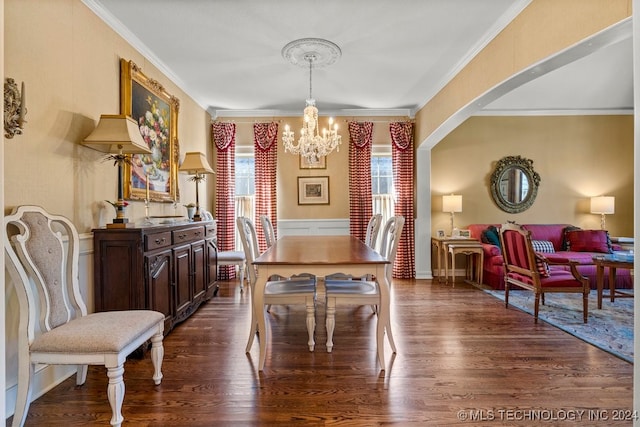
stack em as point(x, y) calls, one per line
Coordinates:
point(265, 137)
point(360, 201)
point(224, 139)
point(402, 159)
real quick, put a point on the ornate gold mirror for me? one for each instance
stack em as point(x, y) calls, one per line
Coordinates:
point(514, 184)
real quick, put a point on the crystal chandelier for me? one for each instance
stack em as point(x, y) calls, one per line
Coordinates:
point(313, 143)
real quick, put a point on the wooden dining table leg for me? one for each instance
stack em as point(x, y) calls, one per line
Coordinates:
point(259, 314)
point(383, 312)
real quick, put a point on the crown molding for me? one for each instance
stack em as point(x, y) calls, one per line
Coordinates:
point(558, 112)
point(352, 112)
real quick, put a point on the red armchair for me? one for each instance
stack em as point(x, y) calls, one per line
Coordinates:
point(526, 269)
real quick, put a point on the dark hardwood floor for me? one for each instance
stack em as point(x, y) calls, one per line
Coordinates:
point(463, 359)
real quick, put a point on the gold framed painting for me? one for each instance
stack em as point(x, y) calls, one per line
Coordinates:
point(153, 176)
point(313, 190)
point(305, 163)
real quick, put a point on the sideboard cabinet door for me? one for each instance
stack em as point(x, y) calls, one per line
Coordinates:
point(184, 290)
point(160, 285)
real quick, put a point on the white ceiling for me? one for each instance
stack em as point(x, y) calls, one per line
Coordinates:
point(396, 54)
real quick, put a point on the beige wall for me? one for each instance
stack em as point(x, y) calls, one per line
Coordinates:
point(576, 156)
point(70, 66)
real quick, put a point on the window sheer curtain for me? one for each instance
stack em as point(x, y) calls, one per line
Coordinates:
point(244, 207)
point(402, 158)
point(224, 139)
point(265, 137)
point(384, 204)
point(360, 201)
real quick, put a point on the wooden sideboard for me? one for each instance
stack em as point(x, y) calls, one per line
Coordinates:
point(168, 268)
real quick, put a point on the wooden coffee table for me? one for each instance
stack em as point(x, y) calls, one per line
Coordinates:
point(613, 262)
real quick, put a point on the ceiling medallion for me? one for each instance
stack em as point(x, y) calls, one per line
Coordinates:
point(312, 145)
point(323, 51)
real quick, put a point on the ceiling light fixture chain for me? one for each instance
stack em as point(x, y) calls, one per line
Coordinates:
point(311, 144)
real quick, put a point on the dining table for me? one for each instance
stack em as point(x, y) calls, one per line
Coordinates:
point(321, 256)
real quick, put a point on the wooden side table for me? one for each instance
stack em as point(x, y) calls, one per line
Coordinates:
point(612, 262)
point(474, 252)
point(440, 249)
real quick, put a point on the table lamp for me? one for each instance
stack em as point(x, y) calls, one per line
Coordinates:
point(120, 135)
point(196, 164)
point(603, 205)
point(451, 204)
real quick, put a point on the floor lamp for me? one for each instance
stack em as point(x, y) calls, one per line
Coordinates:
point(196, 164)
point(119, 135)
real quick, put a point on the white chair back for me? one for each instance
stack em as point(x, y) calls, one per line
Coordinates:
point(373, 230)
point(249, 239)
point(268, 230)
point(45, 250)
point(390, 241)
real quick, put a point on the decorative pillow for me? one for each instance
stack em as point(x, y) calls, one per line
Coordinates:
point(542, 265)
point(565, 241)
point(491, 236)
point(589, 241)
point(544, 246)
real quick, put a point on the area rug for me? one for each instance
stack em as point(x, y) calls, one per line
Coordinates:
point(609, 328)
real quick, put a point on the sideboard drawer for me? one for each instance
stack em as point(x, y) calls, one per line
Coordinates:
point(188, 234)
point(212, 232)
point(157, 240)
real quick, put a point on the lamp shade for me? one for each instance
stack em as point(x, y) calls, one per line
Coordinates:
point(117, 133)
point(195, 163)
point(452, 203)
point(603, 205)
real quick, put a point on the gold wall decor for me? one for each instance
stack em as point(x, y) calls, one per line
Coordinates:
point(14, 108)
point(156, 112)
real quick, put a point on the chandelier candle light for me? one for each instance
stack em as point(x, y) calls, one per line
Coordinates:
point(312, 144)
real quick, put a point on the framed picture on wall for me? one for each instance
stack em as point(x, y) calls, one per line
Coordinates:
point(156, 112)
point(313, 190)
point(305, 163)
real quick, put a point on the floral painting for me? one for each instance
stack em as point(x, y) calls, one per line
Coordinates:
point(151, 176)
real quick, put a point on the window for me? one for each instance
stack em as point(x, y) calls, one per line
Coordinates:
point(382, 186)
point(245, 176)
point(381, 175)
point(245, 190)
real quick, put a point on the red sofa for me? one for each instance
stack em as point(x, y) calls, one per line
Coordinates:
point(493, 270)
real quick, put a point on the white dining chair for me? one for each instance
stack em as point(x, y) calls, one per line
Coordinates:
point(268, 230)
point(295, 290)
point(42, 253)
point(344, 290)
